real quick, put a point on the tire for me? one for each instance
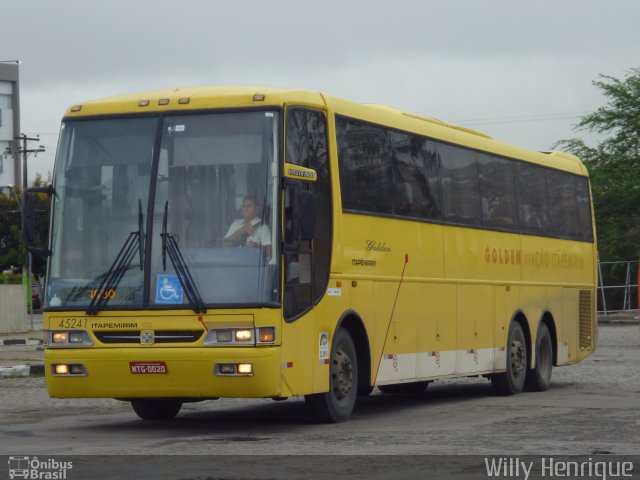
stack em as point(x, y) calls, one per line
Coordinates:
point(512, 380)
point(337, 404)
point(410, 388)
point(539, 378)
point(156, 408)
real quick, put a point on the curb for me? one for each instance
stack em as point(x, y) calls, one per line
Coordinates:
point(22, 371)
point(19, 341)
point(618, 321)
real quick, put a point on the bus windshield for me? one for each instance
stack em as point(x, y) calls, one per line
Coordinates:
point(128, 187)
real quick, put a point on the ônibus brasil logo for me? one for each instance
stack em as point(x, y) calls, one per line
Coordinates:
point(35, 469)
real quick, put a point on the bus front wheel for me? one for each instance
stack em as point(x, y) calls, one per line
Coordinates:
point(337, 404)
point(512, 380)
point(156, 408)
point(539, 378)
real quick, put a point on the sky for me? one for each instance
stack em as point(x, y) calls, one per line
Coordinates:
point(521, 71)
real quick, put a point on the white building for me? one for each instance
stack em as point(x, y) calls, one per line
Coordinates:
point(10, 173)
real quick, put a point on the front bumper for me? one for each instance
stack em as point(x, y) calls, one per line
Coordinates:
point(190, 373)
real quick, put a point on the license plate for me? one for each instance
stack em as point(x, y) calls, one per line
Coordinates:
point(149, 368)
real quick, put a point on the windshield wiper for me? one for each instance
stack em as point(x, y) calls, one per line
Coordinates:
point(119, 267)
point(170, 246)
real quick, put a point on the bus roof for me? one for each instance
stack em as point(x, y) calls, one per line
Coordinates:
point(221, 97)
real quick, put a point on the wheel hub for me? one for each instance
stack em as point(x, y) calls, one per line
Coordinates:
point(341, 374)
point(517, 357)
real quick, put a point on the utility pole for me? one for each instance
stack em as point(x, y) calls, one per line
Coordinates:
point(26, 266)
point(25, 151)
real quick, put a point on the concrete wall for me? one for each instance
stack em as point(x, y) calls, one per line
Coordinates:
point(13, 309)
point(10, 84)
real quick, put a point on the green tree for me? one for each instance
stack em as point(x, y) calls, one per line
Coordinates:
point(12, 249)
point(614, 165)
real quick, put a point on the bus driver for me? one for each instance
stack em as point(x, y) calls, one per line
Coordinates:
point(248, 231)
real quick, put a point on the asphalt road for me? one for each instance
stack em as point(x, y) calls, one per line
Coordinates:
point(592, 408)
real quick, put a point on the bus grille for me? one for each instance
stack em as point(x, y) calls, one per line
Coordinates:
point(585, 320)
point(160, 336)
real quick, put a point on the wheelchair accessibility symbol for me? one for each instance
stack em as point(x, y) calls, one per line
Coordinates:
point(168, 289)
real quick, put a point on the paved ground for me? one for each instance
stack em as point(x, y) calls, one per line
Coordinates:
point(591, 409)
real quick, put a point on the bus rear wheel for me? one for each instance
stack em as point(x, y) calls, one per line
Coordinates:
point(337, 404)
point(512, 380)
point(411, 388)
point(539, 378)
point(156, 408)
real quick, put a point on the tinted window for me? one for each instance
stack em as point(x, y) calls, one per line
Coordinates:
point(460, 189)
point(533, 209)
point(365, 167)
point(563, 204)
point(497, 188)
point(415, 169)
point(391, 172)
point(584, 209)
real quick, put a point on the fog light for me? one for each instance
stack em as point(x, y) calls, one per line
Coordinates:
point(68, 369)
point(59, 337)
point(245, 368)
point(267, 334)
point(243, 335)
point(224, 335)
point(227, 368)
point(61, 369)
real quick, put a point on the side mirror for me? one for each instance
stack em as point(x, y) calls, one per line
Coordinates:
point(29, 220)
point(307, 215)
point(300, 217)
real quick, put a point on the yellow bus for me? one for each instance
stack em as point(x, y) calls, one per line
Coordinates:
point(271, 243)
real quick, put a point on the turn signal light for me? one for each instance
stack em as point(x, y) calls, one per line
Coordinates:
point(267, 334)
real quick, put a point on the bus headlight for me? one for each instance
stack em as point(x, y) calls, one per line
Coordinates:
point(230, 336)
point(244, 335)
point(240, 336)
point(222, 336)
point(69, 338)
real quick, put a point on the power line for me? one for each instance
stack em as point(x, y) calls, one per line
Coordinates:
point(521, 118)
